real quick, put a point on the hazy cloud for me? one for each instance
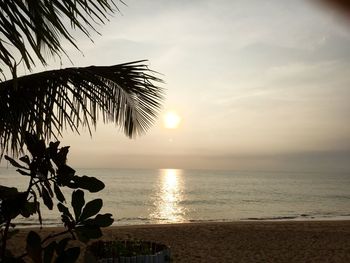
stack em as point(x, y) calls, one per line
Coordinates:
point(247, 77)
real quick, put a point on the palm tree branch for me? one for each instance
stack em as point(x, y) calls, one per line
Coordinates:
point(49, 102)
point(28, 24)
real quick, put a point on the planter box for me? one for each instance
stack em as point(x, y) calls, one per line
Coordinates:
point(129, 252)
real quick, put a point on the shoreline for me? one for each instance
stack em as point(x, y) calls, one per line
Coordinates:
point(21, 225)
point(237, 241)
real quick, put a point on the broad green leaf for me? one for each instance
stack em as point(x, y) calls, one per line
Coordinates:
point(35, 146)
point(89, 222)
point(48, 187)
point(104, 220)
point(47, 198)
point(77, 202)
point(34, 246)
point(29, 209)
point(91, 209)
point(53, 149)
point(67, 222)
point(61, 157)
point(85, 233)
point(64, 210)
point(12, 205)
point(23, 172)
point(91, 184)
point(25, 159)
point(6, 192)
point(14, 163)
point(65, 174)
point(58, 193)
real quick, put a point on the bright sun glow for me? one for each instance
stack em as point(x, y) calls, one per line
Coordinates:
point(171, 120)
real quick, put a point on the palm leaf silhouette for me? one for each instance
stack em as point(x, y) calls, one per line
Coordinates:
point(27, 25)
point(49, 102)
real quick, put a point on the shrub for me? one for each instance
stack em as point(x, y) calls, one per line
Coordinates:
point(47, 172)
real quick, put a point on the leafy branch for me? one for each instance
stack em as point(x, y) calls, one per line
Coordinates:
point(48, 172)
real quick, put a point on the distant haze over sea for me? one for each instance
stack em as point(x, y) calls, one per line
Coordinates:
point(323, 161)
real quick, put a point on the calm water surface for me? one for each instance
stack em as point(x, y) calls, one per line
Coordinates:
point(169, 195)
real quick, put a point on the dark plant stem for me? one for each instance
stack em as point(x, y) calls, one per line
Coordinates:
point(54, 235)
point(4, 240)
point(30, 185)
point(40, 181)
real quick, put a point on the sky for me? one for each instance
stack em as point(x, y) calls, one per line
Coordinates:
point(258, 85)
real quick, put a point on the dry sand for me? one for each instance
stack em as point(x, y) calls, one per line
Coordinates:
point(249, 242)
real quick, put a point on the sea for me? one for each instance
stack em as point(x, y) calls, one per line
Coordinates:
point(179, 196)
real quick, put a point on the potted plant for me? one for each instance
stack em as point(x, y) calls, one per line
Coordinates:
point(125, 251)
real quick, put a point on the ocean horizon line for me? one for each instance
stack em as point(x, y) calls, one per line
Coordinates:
point(77, 168)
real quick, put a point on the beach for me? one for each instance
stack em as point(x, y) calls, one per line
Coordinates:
point(241, 241)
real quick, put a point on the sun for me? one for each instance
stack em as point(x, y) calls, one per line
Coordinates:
point(171, 120)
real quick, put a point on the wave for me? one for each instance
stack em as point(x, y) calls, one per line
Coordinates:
point(204, 202)
point(325, 216)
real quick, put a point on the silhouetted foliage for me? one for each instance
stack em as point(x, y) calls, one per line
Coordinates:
point(31, 27)
point(37, 107)
point(47, 172)
point(48, 102)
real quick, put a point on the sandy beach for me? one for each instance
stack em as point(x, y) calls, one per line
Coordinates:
point(244, 242)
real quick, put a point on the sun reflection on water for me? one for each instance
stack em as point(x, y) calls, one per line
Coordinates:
point(168, 208)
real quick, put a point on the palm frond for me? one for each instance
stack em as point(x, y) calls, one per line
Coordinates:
point(49, 102)
point(31, 25)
